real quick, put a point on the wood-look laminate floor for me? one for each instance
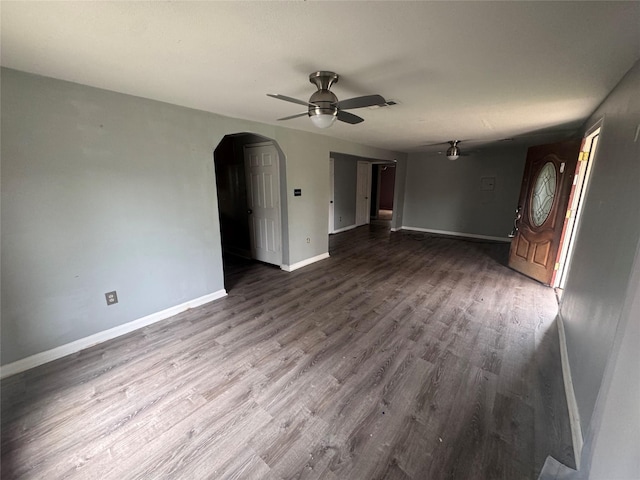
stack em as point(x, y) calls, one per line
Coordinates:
point(403, 356)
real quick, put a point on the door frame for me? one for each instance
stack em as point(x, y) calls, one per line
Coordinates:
point(381, 166)
point(363, 184)
point(588, 152)
point(332, 225)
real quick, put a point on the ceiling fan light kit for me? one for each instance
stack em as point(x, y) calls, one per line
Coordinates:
point(322, 120)
point(324, 108)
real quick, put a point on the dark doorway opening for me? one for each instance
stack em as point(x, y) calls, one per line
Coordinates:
point(233, 204)
point(383, 179)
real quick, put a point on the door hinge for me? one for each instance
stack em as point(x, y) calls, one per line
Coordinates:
point(568, 215)
point(556, 267)
point(583, 157)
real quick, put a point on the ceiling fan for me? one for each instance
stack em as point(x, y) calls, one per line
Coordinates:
point(453, 152)
point(324, 107)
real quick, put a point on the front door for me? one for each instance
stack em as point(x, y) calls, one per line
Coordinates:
point(542, 207)
point(263, 198)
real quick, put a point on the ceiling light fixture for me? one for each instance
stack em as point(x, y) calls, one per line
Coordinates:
point(323, 120)
point(453, 152)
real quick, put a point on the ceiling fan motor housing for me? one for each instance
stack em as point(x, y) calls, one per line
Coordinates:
point(324, 103)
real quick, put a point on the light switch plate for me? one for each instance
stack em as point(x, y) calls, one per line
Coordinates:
point(487, 183)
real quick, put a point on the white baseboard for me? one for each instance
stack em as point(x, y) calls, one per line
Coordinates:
point(572, 404)
point(344, 229)
point(455, 234)
point(554, 470)
point(86, 342)
point(304, 263)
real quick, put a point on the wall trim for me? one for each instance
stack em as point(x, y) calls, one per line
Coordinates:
point(92, 340)
point(456, 234)
point(304, 263)
point(344, 229)
point(572, 404)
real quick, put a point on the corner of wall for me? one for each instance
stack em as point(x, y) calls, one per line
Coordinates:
point(572, 405)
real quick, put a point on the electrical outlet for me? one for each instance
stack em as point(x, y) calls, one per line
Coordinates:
point(112, 297)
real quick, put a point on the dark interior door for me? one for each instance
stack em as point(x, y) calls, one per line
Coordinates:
point(542, 208)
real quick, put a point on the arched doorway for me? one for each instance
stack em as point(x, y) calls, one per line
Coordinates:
point(251, 190)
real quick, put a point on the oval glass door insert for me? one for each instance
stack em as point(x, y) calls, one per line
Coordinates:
point(544, 191)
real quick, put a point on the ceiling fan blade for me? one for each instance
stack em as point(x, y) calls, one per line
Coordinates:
point(294, 116)
point(349, 117)
point(290, 99)
point(448, 142)
point(360, 102)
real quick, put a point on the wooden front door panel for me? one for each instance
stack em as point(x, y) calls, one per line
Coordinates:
point(544, 197)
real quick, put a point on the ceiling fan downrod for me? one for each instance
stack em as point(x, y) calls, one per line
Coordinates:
point(323, 79)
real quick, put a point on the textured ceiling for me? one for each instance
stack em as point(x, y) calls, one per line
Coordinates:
point(481, 71)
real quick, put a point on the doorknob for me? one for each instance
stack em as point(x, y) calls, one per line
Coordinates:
point(249, 211)
point(515, 222)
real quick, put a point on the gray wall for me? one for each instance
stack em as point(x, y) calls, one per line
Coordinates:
point(103, 191)
point(345, 177)
point(606, 243)
point(445, 195)
point(100, 192)
point(612, 446)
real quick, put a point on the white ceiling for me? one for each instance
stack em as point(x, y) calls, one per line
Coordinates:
point(468, 70)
